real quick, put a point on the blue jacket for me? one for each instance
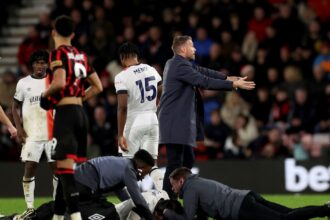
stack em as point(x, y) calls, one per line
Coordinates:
point(179, 104)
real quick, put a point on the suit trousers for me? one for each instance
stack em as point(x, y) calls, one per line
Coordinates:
point(178, 155)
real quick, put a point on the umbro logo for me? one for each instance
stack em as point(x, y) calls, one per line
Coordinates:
point(96, 216)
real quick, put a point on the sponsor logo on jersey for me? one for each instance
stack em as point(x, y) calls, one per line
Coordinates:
point(34, 99)
point(96, 216)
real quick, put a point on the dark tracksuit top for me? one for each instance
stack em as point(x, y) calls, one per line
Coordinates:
point(111, 174)
point(212, 198)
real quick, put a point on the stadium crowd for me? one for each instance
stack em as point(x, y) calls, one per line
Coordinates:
point(282, 45)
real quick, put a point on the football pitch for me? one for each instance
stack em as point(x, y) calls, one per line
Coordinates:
point(17, 205)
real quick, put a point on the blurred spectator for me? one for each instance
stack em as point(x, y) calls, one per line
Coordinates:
point(44, 27)
point(154, 49)
point(8, 82)
point(211, 101)
point(281, 107)
point(321, 9)
point(216, 133)
point(259, 23)
point(101, 22)
point(237, 29)
point(216, 59)
point(322, 60)
point(249, 46)
point(63, 7)
point(302, 111)
point(261, 107)
point(103, 133)
point(269, 145)
point(246, 128)
point(234, 149)
point(31, 43)
point(233, 106)
point(202, 44)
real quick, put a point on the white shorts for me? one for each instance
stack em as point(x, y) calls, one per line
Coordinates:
point(32, 151)
point(141, 137)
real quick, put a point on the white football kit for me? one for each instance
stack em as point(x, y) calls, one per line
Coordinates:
point(152, 196)
point(141, 129)
point(37, 123)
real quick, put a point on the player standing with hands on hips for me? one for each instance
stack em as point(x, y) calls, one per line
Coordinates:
point(69, 71)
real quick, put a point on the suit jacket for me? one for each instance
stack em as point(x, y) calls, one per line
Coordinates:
point(179, 103)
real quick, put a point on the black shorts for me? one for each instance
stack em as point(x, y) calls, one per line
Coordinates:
point(70, 133)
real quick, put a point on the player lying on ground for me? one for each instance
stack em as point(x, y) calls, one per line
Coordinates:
point(209, 198)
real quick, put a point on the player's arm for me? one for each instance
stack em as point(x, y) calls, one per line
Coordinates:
point(141, 207)
point(16, 109)
point(95, 86)
point(122, 98)
point(57, 84)
point(5, 120)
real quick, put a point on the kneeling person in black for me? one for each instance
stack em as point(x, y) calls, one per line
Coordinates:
point(103, 175)
point(220, 201)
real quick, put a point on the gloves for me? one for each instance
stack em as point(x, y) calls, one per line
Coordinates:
point(45, 103)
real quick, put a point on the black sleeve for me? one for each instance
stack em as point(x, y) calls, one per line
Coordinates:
point(210, 73)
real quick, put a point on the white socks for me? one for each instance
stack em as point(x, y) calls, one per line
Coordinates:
point(55, 183)
point(58, 217)
point(75, 216)
point(28, 188)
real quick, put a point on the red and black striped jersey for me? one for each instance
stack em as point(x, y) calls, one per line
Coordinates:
point(77, 68)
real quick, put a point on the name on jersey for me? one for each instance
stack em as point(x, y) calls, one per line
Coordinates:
point(34, 99)
point(76, 57)
point(140, 70)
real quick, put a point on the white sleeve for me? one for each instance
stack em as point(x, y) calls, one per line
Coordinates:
point(120, 83)
point(19, 93)
point(157, 176)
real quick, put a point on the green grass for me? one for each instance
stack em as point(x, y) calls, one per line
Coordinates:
point(17, 205)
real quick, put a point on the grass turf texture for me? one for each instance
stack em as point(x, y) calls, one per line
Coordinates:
point(17, 205)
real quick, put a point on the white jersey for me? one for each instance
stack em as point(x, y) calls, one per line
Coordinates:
point(140, 83)
point(37, 123)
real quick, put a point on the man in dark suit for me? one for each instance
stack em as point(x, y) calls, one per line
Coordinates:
point(180, 110)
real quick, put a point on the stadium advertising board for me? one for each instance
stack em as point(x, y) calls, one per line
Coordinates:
point(262, 176)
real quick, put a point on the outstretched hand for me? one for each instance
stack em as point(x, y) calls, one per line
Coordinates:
point(242, 83)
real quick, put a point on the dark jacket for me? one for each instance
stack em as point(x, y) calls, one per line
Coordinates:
point(212, 198)
point(178, 103)
point(113, 174)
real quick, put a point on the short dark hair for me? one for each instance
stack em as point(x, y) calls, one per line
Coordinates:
point(39, 55)
point(128, 50)
point(144, 156)
point(178, 41)
point(180, 172)
point(64, 25)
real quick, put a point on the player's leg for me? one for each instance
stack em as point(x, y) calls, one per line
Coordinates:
point(252, 209)
point(52, 165)
point(31, 153)
point(133, 135)
point(308, 212)
point(269, 204)
point(66, 122)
